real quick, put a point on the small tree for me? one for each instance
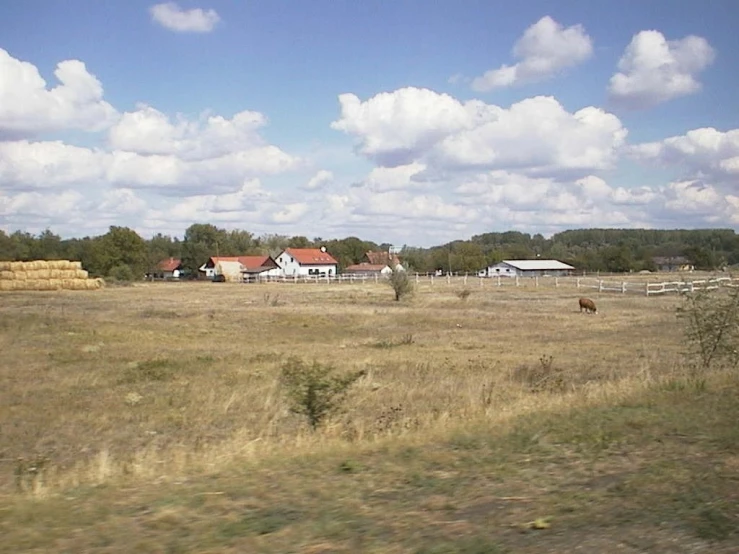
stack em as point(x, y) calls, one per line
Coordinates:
point(401, 283)
point(313, 390)
point(712, 327)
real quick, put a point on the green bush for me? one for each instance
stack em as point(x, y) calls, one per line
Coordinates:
point(122, 272)
point(313, 390)
point(401, 283)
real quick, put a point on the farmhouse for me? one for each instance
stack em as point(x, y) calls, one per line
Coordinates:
point(673, 263)
point(306, 261)
point(365, 268)
point(170, 268)
point(259, 266)
point(529, 268)
point(383, 258)
point(241, 265)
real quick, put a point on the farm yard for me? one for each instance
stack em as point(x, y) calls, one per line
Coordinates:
point(152, 418)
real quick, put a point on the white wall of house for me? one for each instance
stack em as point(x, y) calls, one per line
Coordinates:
point(290, 267)
point(504, 270)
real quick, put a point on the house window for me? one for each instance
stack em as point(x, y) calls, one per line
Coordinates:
point(497, 269)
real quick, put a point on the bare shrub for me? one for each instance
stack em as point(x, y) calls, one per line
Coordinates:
point(711, 327)
point(401, 283)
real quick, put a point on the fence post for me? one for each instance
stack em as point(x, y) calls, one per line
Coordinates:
point(600, 285)
point(448, 278)
point(416, 277)
point(465, 278)
point(516, 280)
point(536, 280)
point(481, 280)
point(498, 276)
point(556, 282)
point(432, 280)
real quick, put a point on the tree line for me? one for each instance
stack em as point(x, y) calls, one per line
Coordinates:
point(122, 254)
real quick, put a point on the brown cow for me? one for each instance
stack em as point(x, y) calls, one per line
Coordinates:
point(589, 306)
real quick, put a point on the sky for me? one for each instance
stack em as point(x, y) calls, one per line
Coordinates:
point(404, 122)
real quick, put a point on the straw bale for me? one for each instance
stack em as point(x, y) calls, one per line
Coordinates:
point(31, 284)
point(6, 275)
point(75, 265)
point(81, 274)
point(7, 285)
point(20, 275)
point(5, 266)
point(59, 264)
point(92, 284)
point(39, 274)
point(100, 282)
point(16, 266)
point(55, 284)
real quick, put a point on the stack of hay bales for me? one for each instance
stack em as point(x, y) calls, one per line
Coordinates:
point(46, 275)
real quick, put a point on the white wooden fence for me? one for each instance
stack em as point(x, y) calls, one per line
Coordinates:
point(601, 285)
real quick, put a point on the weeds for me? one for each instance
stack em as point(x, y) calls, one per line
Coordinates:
point(543, 377)
point(388, 343)
point(463, 294)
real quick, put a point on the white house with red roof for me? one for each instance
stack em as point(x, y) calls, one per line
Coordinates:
point(170, 268)
point(307, 261)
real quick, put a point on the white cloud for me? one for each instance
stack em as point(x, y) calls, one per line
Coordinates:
point(705, 153)
point(174, 18)
point(653, 70)
point(28, 165)
point(383, 179)
point(290, 213)
point(28, 107)
point(536, 135)
point(320, 180)
point(545, 49)
point(149, 131)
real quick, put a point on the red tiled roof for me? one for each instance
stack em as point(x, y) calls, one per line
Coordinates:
point(365, 267)
point(382, 257)
point(311, 256)
point(169, 265)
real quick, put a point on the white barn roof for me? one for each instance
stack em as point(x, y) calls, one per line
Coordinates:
point(537, 265)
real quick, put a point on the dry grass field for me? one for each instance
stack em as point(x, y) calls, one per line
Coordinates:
point(150, 418)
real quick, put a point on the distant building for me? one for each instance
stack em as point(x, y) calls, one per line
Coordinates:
point(673, 263)
point(306, 261)
point(366, 269)
point(170, 268)
point(383, 258)
point(529, 268)
point(244, 265)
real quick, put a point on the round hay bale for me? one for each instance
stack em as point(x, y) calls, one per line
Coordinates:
point(5, 266)
point(92, 284)
point(7, 285)
point(6, 275)
point(100, 282)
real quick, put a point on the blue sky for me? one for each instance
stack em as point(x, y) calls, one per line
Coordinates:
point(406, 122)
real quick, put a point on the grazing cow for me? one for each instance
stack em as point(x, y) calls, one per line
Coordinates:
point(589, 306)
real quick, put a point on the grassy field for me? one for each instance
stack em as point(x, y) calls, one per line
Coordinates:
point(151, 419)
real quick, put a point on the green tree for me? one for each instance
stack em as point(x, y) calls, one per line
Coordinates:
point(121, 246)
point(201, 241)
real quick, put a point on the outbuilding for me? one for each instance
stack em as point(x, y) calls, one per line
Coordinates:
point(529, 268)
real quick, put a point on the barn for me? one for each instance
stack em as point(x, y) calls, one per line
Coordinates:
point(529, 268)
